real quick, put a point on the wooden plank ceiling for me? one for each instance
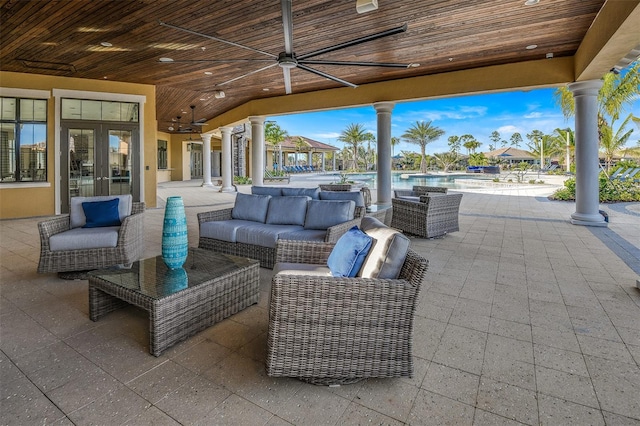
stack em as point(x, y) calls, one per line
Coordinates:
point(63, 38)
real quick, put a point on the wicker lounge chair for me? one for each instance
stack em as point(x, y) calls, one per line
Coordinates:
point(128, 249)
point(431, 216)
point(328, 330)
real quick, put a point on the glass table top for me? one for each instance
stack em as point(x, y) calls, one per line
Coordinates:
point(152, 278)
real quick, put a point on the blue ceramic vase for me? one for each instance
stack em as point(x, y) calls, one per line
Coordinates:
point(175, 245)
point(175, 280)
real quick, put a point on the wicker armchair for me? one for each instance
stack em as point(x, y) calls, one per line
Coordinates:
point(129, 248)
point(431, 216)
point(418, 190)
point(328, 330)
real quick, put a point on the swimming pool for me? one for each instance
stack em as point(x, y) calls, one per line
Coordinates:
point(402, 180)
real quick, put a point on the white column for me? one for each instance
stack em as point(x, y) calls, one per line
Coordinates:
point(334, 160)
point(227, 178)
point(257, 149)
point(206, 159)
point(383, 110)
point(323, 159)
point(310, 158)
point(587, 213)
point(280, 158)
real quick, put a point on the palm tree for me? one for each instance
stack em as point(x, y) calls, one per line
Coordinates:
point(470, 143)
point(478, 159)
point(422, 133)
point(370, 154)
point(353, 136)
point(274, 135)
point(394, 142)
point(300, 144)
point(612, 142)
point(617, 91)
point(560, 137)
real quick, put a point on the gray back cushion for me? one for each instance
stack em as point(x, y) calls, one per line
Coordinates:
point(323, 214)
point(314, 193)
point(388, 252)
point(251, 207)
point(274, 191)
point(77, 219)
point(287, 210)
point(355, 196)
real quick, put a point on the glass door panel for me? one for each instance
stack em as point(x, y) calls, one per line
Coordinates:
point(119, 162)
point(82, 144)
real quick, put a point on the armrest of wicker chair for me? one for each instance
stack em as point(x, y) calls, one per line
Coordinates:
point(297, 251)
point(336, 231)
point(330, 330)
point(50, 227)
point(432, 217)
point(426, 189)
point(131, 232)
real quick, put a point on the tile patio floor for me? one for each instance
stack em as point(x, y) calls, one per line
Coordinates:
point(523, 319)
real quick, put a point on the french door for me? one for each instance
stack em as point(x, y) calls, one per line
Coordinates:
point(98, 159)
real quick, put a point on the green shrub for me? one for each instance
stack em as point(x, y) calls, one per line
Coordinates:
point(532, 181)
point(496, 179)
point(242, 180)
point(610, 190)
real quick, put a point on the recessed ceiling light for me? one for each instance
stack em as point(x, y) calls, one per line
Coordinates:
point(208, 73)
point(165, 60)
point(549, 55)
point(106, 44)
point(266, 89)
point(531, 2)
point(531, 46)
point(414, 65)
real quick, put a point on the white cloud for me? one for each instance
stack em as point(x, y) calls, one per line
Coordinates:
point(459, 113)
point(331, 135)
point(508, 129)
point(533, 115)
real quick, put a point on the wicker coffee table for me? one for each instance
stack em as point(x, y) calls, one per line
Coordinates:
point(209, 288)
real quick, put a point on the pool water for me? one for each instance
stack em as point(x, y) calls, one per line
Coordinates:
point(405, 181)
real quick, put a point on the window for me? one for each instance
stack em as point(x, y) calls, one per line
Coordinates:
point(162, 154)
point(23, 140)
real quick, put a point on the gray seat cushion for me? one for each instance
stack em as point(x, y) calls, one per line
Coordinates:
point(287, 210)
point(388, 252)
point(251, 207)
point(85, 238)
point(285, 268)
point(355, 196)
point(304, 235)
point(274, 191)
point(263, 235)
point(314, 193)
point(323, 214)
point(223, 230)
point(77, 219)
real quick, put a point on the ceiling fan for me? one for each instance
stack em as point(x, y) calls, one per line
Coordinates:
point(288, 59)
point(194, 123)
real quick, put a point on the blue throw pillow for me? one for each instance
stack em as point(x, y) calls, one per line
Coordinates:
point(101, 213)
point(349, 253)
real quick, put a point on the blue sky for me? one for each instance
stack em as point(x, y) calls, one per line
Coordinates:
point(478, 115)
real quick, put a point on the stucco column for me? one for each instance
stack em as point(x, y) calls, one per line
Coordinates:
point(206, 159)
point(383, 110)
point(587, 213)
point(322, 167)
point(309, 158)
point(334, 161)
point(257, 150)
point(227, 179)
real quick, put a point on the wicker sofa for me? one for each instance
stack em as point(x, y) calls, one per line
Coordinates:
point(329, 330)
point(66, 246)
point(256, 222)
point(431, 216)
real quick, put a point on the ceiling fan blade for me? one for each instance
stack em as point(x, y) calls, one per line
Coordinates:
point(355, 63)
point(247, 74)
point(354, 42)
point(325, 75)
point(213, 61)
point(286, 73)
point(287, 24)
point(175, 27)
